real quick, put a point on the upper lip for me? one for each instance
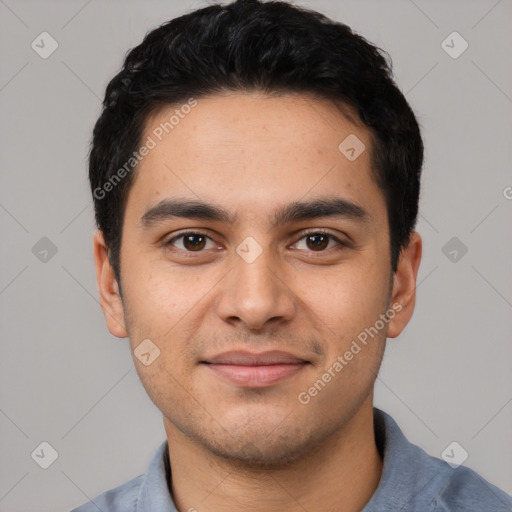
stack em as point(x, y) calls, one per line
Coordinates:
point(244, 358)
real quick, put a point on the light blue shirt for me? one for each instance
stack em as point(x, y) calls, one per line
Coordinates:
point(411, 481)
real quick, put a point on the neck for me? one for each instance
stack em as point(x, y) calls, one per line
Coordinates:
point(340, 475)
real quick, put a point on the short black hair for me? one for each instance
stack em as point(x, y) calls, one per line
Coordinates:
point(269, 47)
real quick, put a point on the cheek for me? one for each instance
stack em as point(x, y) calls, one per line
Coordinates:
point(160, 295)
point(349, 297)
point(345, 309)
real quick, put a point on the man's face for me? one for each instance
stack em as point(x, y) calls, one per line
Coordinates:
point(258, 281)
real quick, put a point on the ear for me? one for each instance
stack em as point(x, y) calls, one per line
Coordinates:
point(110, 298)
point(403, 295)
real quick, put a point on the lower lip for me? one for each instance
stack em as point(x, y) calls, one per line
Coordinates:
point(255, 376)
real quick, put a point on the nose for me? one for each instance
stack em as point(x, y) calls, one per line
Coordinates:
point(255, 293)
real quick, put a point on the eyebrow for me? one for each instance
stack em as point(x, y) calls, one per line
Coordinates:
point(333, 207)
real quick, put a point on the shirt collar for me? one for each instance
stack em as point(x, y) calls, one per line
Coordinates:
point(154, 492)
point(398, 484)
point(407, 469)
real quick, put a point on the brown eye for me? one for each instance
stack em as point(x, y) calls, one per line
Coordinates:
point(318, 241)
point(194, 242)
point(190, 242)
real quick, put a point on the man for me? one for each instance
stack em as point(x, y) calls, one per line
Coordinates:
point(256, 175)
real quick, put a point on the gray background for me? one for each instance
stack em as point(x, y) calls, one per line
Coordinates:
point(65, 380)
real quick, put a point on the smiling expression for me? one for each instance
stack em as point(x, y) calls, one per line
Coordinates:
point(247, 230)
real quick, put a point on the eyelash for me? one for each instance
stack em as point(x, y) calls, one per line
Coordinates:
point(320, 231)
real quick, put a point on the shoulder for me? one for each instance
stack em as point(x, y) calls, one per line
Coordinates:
point(119, 499)
point(455, 489)
point(414, 480)
point(463, 489)
point(143, 493)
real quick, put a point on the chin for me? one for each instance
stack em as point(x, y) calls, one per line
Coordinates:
point(263, 457)
point(264, 447)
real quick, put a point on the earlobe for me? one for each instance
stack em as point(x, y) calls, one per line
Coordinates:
point(404, 285)
point(108, 287)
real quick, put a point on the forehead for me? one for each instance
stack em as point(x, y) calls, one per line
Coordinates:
point(251, 151)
